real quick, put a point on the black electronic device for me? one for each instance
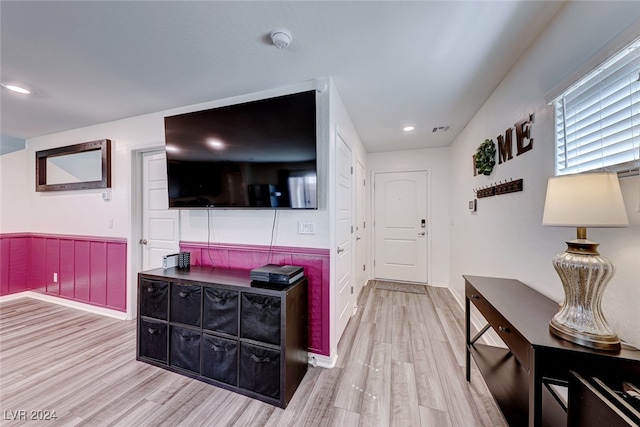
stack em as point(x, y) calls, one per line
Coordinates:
point(178, 260)
point(260, 154)
point(276, 273)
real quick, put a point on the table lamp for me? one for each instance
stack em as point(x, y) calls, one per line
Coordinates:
point(584, 200)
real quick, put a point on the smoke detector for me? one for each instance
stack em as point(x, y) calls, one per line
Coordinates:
point(281, 38)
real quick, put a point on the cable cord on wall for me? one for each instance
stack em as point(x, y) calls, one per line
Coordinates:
point(209, 237)
point(273, 232)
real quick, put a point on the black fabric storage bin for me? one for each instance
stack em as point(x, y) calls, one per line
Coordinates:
point(153, 340)
point(261, 318)
point(185, 348)
point(220, 311)
point(260, 370)
point(220, 359)
point(154, 298)
point(185, 304)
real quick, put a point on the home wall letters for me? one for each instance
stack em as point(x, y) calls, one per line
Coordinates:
point(524, 142)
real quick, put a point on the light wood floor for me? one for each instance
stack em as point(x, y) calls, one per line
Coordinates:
point(401, 363)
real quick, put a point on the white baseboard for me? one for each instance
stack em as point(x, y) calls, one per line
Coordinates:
point(67, 303)
point(15, 296)
point(439, 284)
point(322, 360)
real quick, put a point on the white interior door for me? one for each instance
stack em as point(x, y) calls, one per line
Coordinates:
point(361, 248)
point(160, 234)
point(344, 299)
point(400, 226)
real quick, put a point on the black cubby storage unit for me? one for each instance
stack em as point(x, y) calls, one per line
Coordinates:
point(217, 326)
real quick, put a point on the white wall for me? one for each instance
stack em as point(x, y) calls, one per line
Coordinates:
point(15, 191)
point(85, 213)
point(436, 162)
point(505, 238)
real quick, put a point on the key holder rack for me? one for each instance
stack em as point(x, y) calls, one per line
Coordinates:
point(506, 187)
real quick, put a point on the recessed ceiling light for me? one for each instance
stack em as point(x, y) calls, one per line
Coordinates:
point(408, 128)
point(216, 144)
point(17, 89)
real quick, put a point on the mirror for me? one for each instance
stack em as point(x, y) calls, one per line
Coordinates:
point(74, 167)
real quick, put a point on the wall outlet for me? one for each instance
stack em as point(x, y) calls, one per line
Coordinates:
point(55, 277)
point(305, 227)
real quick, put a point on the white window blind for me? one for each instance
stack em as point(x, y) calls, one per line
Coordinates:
point(598, 118)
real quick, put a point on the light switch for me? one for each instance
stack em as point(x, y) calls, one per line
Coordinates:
point(306, 227)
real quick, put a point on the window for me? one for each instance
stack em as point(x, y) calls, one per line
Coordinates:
point(598, 118)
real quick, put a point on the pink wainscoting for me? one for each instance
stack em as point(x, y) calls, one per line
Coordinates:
point(14, 263)
point(90, 269)
point(5, 260)
point(117, 275)
point(246, 257)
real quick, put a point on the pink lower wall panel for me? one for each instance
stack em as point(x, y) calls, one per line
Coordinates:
point(66, 275)
point(90, 269)
point(15, 263)
point(245, 257)
point(38, 270)
point(82, 277)
point(116, 275)
point(52, 265)
point(5, 260)
point(98, 273)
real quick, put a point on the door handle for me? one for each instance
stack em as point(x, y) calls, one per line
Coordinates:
point(143, 241)
point(340, 250)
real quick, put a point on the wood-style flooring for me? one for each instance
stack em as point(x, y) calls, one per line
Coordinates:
point(401, 363)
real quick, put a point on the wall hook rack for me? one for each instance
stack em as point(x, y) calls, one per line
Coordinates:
point(505, 187)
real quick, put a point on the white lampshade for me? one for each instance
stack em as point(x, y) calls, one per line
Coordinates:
point(584, 200)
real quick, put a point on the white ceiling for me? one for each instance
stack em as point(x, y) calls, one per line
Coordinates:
point(428, 64)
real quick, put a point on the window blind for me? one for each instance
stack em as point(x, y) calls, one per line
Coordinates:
point(597, 120)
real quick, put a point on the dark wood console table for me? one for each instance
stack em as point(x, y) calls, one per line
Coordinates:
point(519, 376)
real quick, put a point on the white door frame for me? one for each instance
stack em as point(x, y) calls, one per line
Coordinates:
point(134, 252)
point(360, 211)
point(372, 175)
point(352, 298)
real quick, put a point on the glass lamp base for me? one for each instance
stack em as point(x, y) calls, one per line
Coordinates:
point(584, 278)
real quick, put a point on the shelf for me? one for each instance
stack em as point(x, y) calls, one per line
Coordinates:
point(504, 378)
point(507, 381)
point(214, 326)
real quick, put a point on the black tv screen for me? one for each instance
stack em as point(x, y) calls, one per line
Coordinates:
point(259, 154)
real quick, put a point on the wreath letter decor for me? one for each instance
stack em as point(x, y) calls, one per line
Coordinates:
point(486, 157)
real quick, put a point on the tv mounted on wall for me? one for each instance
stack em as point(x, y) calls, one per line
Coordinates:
point(259, 154)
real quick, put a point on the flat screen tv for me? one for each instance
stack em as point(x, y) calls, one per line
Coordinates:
point(259, 154)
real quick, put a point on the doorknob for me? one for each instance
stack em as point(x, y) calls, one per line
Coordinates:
point(143, 241)
point(340, 250)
